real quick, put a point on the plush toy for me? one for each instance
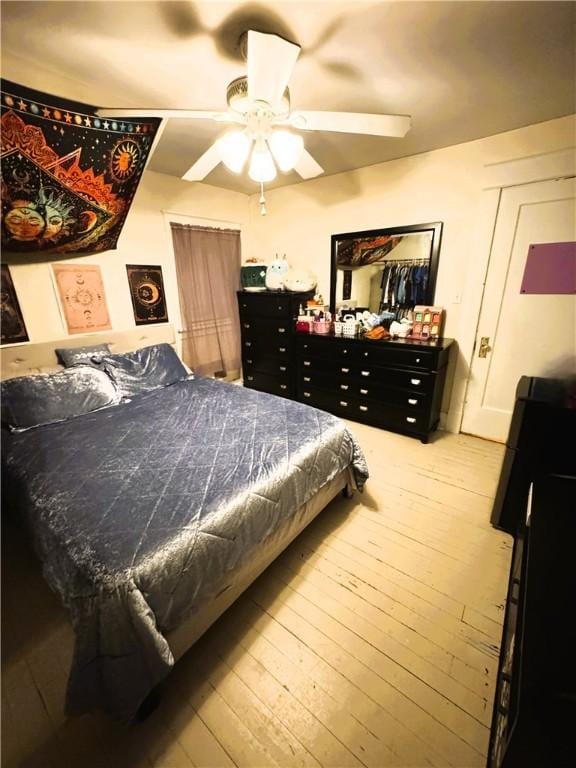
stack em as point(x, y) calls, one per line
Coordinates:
point(276, 273)
point(299, 280)
point(401, 329)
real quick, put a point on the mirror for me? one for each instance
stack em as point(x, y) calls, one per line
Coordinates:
point(385, 270)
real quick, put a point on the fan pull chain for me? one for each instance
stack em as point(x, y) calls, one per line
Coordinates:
point(262, 201)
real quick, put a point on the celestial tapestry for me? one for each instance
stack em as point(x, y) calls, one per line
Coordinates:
point(11, 320)
point(82, 296)
point(147, 291)
point(68, 177)
point(359, 251)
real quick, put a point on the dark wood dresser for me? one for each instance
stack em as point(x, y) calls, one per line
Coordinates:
point(535, 700)
point(267, 325)
point(395, 385)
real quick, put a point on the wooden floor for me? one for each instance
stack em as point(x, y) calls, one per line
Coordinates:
point(372, 641)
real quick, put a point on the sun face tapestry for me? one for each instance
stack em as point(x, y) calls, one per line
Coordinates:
point(68, 177)
point(82, 297)
point(147, 292)
point(11, 320)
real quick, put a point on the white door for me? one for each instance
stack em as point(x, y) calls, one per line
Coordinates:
point(529, 334)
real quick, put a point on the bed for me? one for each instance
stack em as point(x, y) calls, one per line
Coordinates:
point(152, 515)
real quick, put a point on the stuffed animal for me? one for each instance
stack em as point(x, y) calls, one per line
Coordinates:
point(299, 280)
point(275, 274)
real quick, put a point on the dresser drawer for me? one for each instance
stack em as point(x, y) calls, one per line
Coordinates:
point(264, 363)
point(257, 327)
point(276, 385)
point(399, 358)
point(328, 348)
point(270, 305)
point(412, 401)
point(404, 419)
point(254, 347)
point(395, 378)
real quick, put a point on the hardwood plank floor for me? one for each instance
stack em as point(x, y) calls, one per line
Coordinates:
point(371, 641)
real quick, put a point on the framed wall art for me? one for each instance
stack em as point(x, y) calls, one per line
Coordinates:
point(11, 320)
point(147, 293)
point(82, 297)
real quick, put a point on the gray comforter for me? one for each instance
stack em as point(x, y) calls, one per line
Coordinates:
point(141, 512)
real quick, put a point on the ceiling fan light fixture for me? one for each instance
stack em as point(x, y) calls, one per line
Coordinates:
point(262, 168)
point(238, 101)
point(234, 148)
point(287, 148)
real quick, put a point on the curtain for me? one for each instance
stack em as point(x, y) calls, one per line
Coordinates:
point(208, 273)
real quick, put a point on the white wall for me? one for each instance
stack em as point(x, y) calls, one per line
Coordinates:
point(145, 239)
point(444, 185)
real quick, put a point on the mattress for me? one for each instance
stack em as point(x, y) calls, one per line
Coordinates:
point(141, 513)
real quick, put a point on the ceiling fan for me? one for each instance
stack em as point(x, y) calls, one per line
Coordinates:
point(265, 129)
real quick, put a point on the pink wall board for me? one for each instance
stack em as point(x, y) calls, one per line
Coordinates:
point(550, 268)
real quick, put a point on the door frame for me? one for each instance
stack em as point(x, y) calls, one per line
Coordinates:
point(497, 176)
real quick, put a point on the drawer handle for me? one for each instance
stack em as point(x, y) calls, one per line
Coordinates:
point(249, 361)
point(344, 403)
point(282, 367)
point(415, 382)
point(250, 378)
point(411, 419)
point(307, 362)
point(307, 378)
point(412, 401)
point(344, 351)
point(281, 330)
point(363, 391)
point(281, 349)
point(283, 386)
point(417, 359)
point(280, 307)
point(363, 407)
point(345, 370)
point(246, 325)
point(365, 373)
point(247, 343)
point(245, 306)
point(366, 354)
point(344, 386)
point(306, 394)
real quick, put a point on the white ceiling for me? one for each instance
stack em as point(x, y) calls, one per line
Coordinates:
point(463, 70)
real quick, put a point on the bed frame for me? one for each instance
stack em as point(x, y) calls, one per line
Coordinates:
point(25, 359)
point(32, 358)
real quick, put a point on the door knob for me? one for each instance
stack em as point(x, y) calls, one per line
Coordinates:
point(484, 346)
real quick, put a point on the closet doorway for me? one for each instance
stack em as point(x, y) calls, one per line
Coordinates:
point(521, 334)
point(207, 263)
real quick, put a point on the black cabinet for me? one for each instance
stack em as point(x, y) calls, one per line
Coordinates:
point(267, 325)
point(535, 702)
point(395, 385)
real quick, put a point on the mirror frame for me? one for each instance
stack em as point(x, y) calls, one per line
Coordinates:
point(435, 227)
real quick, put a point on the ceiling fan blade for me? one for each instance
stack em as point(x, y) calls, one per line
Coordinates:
point(205, 163)
point(307, 167)
point(352, 122)
point(188, 114)
point(271, 60)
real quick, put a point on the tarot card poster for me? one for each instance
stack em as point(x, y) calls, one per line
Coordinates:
point(147, 292)
point(11, 320)
point(82, 297)
point(68, 177)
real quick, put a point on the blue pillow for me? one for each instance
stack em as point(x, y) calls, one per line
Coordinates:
point(147, 368)
point(31, 401)
point(83, 355)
